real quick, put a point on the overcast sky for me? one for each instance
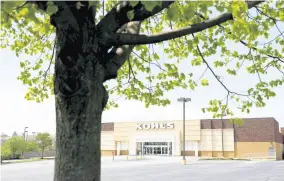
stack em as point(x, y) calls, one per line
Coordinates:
point(17, 113)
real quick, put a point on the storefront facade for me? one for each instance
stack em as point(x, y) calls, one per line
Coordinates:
point(203, 138)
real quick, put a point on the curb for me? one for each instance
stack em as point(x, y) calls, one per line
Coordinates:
point(25, 160)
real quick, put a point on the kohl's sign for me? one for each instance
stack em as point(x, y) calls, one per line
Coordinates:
point(155, 126)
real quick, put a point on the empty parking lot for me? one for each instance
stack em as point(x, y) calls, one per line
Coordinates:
point(155, 168)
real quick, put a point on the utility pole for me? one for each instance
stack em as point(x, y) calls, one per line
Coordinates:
point(184, 100)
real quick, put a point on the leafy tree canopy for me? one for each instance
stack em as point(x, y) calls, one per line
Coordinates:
point(16, 144)
point(5, 151)
point(32, 146)
point(43, 140)
point(145, 76)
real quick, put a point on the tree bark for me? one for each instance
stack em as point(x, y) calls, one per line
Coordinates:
point(80, 96)
point(118, 39)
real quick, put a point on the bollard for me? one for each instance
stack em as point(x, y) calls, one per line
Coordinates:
point(141, 156)
point(113, 156)
point(126, 157)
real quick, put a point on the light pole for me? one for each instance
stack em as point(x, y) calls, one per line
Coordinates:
point(184, 100)
point(25, 131)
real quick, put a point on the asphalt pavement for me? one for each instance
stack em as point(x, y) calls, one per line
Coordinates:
point(157, 169)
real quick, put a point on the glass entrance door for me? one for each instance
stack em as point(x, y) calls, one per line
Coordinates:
point(157, 148)
point(148, 150)
point(164, 151)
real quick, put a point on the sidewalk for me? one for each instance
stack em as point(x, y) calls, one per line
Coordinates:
point(26, 160)
point(149, 158)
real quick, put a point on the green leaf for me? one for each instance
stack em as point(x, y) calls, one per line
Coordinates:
point(204, 82)
point(93, 3)
point(150, 5)
point(189, 12)
point(133, 3)
point(173, 13)
point(130, 15)
point(22, 64)
point(51, 8)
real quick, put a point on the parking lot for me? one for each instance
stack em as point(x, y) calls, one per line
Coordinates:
point(156, 169)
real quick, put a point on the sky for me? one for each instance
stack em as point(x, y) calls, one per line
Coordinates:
point(18, 113)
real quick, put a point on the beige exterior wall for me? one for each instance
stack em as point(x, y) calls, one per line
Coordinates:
point(254, 149)
point(107, 141)
point(205, 143)
point(211, 140)
point(192, 130)
point(201, 142)
point(127, 132)
point(228, 140)
point(279, 150)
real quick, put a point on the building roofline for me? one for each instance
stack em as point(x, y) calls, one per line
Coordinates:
point(247, 119)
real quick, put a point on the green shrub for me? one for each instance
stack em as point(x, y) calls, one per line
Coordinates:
point(17, 155)
point(5, 152)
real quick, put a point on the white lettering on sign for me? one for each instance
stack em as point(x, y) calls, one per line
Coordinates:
point(163, 125)
point(155, 126)
point(146, 126)
point(139, 126)
point(170, 125)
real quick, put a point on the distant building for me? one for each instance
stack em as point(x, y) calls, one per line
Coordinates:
point(30, 137)
point(257, 138)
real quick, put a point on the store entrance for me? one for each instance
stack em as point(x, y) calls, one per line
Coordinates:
point(157, 148)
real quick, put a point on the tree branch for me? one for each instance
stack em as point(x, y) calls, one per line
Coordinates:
point(243, 42)
point(211, 70)
point(117, 16)
point(42, 5)
point(257, 71)
point(261, 12)
point(48, 68)
point(130, 39)
point(116, 58)
point(156, 64)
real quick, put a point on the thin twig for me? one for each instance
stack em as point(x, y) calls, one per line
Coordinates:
point(202, 74)
point(227, 103)
point(21, 5)
point(281, 34)
point(273, 19)
point(255, 67)
point(241, 41)
point(201, 55)
point(115, 87)
point(261, 12)
point(159, 66)
point(45, 74)
point(130, 70)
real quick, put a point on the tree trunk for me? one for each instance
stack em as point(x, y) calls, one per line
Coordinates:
point(42, 153)
point(78, 151)
point(80, 98)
